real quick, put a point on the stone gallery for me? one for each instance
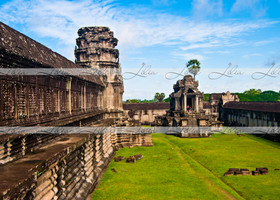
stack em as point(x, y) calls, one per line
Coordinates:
point(56, 166)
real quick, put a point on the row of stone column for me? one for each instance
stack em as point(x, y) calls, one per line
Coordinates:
point(249, 118)
point(26, 101)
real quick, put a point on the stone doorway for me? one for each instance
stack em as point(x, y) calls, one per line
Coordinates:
point(190, 102)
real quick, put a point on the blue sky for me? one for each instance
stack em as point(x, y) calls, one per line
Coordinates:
point(165, 34)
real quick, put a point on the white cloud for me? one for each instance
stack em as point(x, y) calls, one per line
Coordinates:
point(202, 8)
point(263, 42)
point(255, 6)
point(163, 2)
point(217, 52)
point(133, 27)
point(188, 56)
point(252, 55)
point(201, 45)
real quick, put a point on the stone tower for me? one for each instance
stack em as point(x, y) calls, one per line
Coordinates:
point(186, 109)
point(186, 95)
point(96, 49)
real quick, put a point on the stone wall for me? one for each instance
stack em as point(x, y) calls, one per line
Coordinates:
point(266, 114)
point(69, 168)
point(145, 113)
point(217, 101)
point(77, 173)
point(147, 116)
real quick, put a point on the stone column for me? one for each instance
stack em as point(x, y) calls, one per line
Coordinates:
point(15, 101)
point(58, 100)
point(37, 95)
point(1, 100)
point(27, 89)
point(185, 102)
point(98, 99)
point(85, 97)
point(196, 103)
point(69, 95)
point(81, 98)
point(101, 106)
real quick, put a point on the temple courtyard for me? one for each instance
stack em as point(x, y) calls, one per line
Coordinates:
point(192, 168)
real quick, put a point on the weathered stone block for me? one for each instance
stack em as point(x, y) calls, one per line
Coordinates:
point(138, 156)
point(259, 168)
point(263, 171)
point(255, 173)
point(246, 172)
point(229, 173)
point(119, 158)
point(131, 159)
point(238, 173)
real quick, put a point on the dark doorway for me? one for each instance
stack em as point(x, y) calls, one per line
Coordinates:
point(190, 90)
point(189, 102)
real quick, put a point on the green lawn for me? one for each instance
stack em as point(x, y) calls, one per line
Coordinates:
point(193, 168)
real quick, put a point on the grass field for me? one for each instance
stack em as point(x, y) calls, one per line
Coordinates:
point(193, 168)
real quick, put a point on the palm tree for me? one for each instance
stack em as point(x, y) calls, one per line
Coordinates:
point(193, 66)
point(159, 97)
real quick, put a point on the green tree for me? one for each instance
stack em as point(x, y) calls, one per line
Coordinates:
point(166, 100)
point(193, 67)
point(254, 95)
point(206, 97)
point(159, 97)
point(133, 101)
point(270, 96)
point(253, 91)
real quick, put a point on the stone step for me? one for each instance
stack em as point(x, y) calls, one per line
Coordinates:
point(20, 176)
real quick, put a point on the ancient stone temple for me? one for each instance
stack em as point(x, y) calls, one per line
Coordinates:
point(96, 49)
point(186, 98)
point(38, 165)
point(186, 108)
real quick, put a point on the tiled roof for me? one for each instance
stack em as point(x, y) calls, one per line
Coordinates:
point(254, 106)
point(147, 106)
